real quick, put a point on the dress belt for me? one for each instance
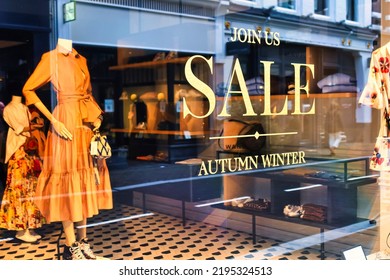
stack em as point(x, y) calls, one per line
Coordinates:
point(82, 100)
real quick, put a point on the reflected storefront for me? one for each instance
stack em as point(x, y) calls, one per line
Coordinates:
point(236, 127)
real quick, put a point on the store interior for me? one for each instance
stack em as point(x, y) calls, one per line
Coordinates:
point(157, 154)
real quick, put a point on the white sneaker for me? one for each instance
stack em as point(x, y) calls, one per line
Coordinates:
point(86, 249)
point(73, 252)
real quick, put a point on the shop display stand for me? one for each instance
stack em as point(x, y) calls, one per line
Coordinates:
point(341, 197)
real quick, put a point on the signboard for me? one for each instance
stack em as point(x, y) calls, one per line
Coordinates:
point(109, 105)
point(69, 11)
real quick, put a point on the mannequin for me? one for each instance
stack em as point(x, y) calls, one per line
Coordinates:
point(18, 211)
point(67, 189)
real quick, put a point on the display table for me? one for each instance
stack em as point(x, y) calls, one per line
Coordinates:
point(287, 181)
point(181, 182)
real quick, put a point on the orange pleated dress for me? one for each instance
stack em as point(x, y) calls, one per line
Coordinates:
point(67, 188)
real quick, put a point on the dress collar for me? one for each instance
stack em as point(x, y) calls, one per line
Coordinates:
point(65, 53)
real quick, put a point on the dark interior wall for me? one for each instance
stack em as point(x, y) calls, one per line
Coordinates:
point(25, 14)
point(24, 37)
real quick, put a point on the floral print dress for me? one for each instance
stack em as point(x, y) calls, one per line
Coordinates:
point(18, 210)
point(376, 95)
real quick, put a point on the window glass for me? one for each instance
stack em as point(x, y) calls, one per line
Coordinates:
point(223, 117)
point(352, 10)
point(288, 4)
point(321, 7)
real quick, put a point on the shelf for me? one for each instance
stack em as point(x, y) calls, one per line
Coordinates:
point(283, 218)
point(148, 64)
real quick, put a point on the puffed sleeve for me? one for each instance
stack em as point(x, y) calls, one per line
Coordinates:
point(15, 119)
point(41, 76)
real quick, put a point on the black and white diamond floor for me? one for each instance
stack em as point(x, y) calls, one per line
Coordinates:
point(154, 237)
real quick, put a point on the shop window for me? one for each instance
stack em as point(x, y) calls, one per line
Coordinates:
point(282, 71)
point(376, 6)
point(376, 12)
point(352, 10)
point(288, 4)
point(321, 7)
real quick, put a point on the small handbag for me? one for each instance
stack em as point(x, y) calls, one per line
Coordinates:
point(241, 136)
point(100, 148)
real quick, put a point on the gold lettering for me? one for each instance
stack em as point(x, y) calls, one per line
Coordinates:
point(267, 92)
point(276, 39)
point(200, 86)
point(272, 160)
point(237, 75)
point(287, 157)
point(254, 161)
point(234, 38)
point(298, 88)
point(242, 31)
point(266, 160)
point(257, 36)
point(302, 157)
point(271, 38)
point(203, 169)
point(294, 157)
point(210, 162)
point(237, 71)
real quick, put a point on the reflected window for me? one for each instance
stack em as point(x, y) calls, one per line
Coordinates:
point(376, 6)
point(288, 4)
point(321, 7)
point(352, 10)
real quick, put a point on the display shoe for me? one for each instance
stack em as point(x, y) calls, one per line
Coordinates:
point(73, 252)
point(293, 211)
point(171, 55)
point(141, 125)
point(25, 236)
point(34, 234)
point(86, 249)
point(242, 203)
point(159, 56)
point(161, 156)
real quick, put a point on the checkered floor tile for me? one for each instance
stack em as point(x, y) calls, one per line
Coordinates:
point(154, 237)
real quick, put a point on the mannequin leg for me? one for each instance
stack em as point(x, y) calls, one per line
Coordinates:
point(69, 233)
point(81, 232)
point(83, 240)
point(72, 249)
